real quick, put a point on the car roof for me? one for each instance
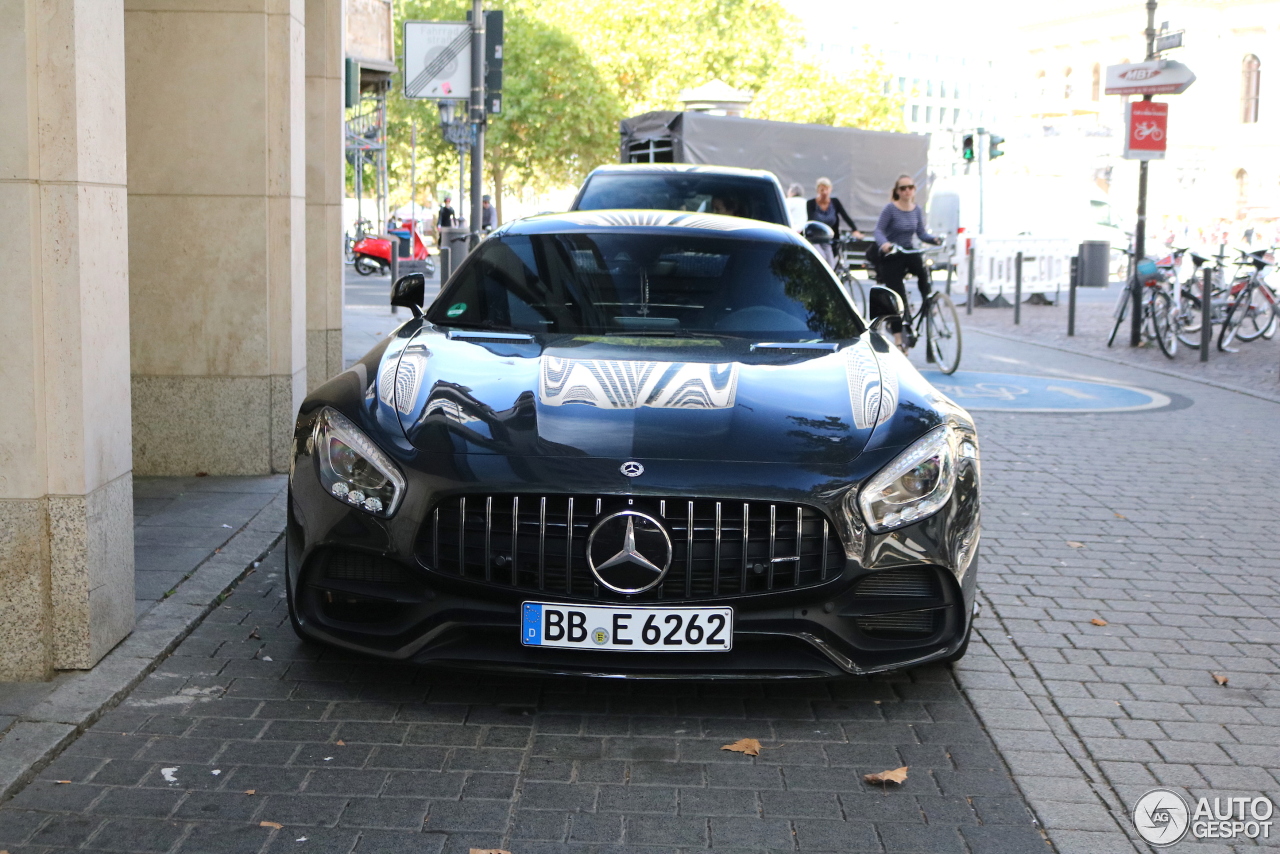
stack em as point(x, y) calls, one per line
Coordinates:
point(648, 222)
point(697, 168)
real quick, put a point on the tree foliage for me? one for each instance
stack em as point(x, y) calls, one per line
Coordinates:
point(574, 68)
point(808, 92)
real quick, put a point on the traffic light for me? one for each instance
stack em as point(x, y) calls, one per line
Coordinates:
point(967, 148)
point(994, 150)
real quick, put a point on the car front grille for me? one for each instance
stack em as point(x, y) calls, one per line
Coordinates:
point(537, 543)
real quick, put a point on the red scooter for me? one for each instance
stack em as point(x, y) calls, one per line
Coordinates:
point(373, 253)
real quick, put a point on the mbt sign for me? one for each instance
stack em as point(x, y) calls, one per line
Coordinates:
point(1158, 77)
point(1147, 130)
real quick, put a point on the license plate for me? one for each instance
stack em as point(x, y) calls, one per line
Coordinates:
point(619, 629)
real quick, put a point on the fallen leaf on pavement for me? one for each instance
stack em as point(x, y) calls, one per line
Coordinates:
point(897, 775)
point(62, 782)
point(253, 635)
point(341, 743)
point(1098, 621)
point(277, 825)
point(749, 746)
point(202, 474)
point(1121, 516)
point(1219, 678)
point(489, 851)
point(1074, 544)
point(251, 791)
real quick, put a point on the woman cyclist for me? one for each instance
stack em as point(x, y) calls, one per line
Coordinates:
point(900, 222)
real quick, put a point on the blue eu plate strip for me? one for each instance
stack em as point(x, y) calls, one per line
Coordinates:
point(531, 629)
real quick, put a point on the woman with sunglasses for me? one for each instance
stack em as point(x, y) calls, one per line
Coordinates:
point(900, 222)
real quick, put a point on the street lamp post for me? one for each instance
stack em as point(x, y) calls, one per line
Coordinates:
point(457, 130)
point(1140, 229)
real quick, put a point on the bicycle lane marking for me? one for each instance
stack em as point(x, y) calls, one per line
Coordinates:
point(1021, 393)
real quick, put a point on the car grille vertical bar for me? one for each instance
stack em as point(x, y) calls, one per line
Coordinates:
point(773, 542)
point(568, 552)
point(824, 549)
point(706, 551)
point(542, 544)
point(488, 536)
point(715, 571)
point(515, 539)
point(462, 535)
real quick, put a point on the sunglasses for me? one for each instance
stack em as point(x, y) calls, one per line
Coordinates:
point(907, 187)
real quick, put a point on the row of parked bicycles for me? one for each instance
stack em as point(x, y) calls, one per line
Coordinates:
point(1243, 306)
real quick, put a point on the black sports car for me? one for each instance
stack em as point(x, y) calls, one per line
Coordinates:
point(636, 443)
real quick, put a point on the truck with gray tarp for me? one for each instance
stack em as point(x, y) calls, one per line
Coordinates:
point(862, 164)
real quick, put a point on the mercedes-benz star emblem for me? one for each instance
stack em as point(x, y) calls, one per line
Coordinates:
point(644, 558)
point(632, 469)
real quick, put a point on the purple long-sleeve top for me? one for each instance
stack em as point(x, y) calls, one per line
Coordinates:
point(898, 226)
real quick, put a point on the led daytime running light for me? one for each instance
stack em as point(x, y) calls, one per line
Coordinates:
point(382, 499)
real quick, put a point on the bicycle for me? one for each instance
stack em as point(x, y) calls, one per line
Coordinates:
point(938, 316)
point(1252, 312)
point(842, 248)
point(1159, 317)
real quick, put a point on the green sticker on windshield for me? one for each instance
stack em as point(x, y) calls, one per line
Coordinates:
point(456, 309)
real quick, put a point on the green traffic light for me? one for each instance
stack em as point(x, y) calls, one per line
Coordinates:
point(967, 149)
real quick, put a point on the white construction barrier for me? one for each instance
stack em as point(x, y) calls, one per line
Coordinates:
point(1046, 265)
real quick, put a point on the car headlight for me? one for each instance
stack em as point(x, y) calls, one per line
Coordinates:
point(352, 468)
point(917, 483)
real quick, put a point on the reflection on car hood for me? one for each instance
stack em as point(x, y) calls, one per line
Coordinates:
point(649, 398)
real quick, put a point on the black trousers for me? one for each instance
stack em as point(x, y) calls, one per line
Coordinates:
point(893, 270)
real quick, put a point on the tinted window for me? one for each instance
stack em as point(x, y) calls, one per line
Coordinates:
point(670, 284)
point(736, 195)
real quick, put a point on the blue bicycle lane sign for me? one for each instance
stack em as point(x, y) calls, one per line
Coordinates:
point(1020, 393)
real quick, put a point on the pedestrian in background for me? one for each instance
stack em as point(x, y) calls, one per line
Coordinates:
point(826, 209)
point(797, 207)
point(446, 217)
point(488, 215)
point(901, 221)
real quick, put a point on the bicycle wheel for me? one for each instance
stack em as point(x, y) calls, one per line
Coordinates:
point(856, 292)
point(1164, 323)
point(1190, 319)
point(1236, 312)
point(1122, 310)
point(1259, 316)
point(943, 330)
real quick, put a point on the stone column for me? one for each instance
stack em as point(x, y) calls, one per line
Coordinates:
point(325, 189)
point(216, 102)
point(66, 490)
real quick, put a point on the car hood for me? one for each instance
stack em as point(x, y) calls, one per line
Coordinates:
point(647, 398)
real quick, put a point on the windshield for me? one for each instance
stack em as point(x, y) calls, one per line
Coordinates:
point(650, 284)
point(734, 195)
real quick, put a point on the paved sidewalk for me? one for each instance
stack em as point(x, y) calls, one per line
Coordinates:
point(193, 538)
point(1255, 367)
point(1152, 523)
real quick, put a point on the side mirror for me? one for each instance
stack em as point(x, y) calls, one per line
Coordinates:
point(818, 232)
point(884, 303)
point(410, 292)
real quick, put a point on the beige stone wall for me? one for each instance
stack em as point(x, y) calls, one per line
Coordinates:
point(66, 520)
point(217, 198)
point(325, 177)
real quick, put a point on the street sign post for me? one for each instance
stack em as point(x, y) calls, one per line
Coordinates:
point(1168, 41)
point(1146, 130)
point(1155, 77)
point(437, 59)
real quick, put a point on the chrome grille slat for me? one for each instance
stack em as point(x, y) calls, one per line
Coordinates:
point(705, 563)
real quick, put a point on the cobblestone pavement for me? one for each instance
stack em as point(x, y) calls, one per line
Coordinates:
point(1160, 523)
point(353, 755)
